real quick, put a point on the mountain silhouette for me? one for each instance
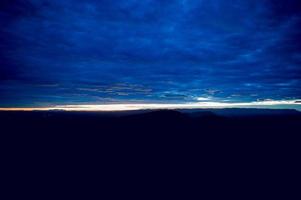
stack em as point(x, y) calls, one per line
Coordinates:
point(157, 144)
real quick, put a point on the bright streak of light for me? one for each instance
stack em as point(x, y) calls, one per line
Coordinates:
point(196, 105)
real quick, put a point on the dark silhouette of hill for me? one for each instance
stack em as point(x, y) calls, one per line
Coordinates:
point(160, 114)
point(253, 147)
point(162, 117)
point(147, 121)
point(246, 112)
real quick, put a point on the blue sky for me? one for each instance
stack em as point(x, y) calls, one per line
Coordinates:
point(145, 51)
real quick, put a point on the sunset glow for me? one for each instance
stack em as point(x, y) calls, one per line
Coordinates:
point(199, 105)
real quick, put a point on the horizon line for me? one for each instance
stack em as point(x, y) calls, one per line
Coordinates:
point(267, 104)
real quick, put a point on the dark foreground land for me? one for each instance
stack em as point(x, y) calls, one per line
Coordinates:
point(158, 123)
point(236, 148)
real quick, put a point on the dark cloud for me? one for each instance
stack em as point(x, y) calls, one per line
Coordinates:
point(159, 50)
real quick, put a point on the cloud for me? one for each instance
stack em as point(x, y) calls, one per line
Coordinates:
point(86, 47)
point(203, 98)
point(174, 96)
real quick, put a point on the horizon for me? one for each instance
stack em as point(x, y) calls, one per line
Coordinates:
point(292, 104)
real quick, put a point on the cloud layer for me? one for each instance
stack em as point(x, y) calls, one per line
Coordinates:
point(66, 52)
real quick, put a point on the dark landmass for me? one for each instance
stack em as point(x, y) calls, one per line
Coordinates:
point(250, 146)
point(227, 125)
point(162, 122)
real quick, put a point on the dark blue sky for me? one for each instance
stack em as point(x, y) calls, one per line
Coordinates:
point(102, 51)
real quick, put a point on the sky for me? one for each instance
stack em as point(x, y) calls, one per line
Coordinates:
point(74, 52)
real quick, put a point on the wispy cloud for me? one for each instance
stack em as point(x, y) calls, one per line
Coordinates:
point(203, 98)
